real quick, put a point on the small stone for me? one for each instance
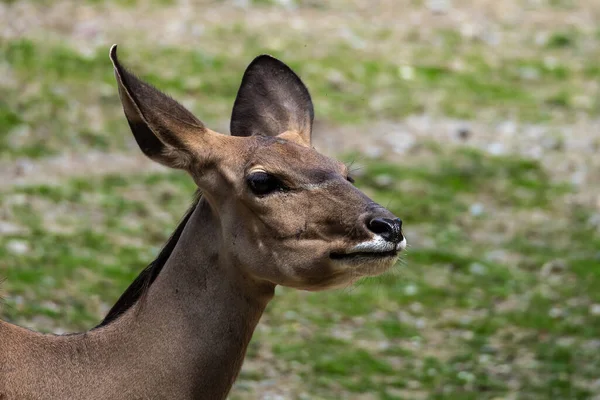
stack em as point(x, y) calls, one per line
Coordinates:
point(595, 309)
point(553, 143)
point(594, 220)
point(476, 209)
point(290, 315)
point(411, 290)
point(287, 4)
point(556, 312)
point(413, 385)
point(381, 101)
point(18, 199)
point(541, 38)
point(23, 166)
point(18, 135)
point(401, 142)
point(485, 358)
point(394, 393)
point(272, 396)
point(352, 38)
point(553, 267)
point(496, 255)
point(477, 269)
point(508, 128)
point(579, 177)
point(550, 62)
point(17, 246)
point(487, 349)
point(406, 72)
point(8, 228)
point(496, 149)
point(466, 376)
point(591, 345)
point(439, 6)
point(384, 180)
point(535, 152)
point(197, 30)
point(51, 306)
point(529, 74)
point(583, 102)
point(104, 308)
point(416, 307)
point(469, 31)
point(416, 342)
point(383, 345)
point(48, 281)
point(241, 3)
point(492, 38)
point(373, 151)
point(336, 79)
point(565, 341)
point(42, 322)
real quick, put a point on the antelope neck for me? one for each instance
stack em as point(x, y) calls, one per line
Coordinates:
point(199, 315)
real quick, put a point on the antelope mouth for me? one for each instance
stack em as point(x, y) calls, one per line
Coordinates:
point(376, 248)
point(363, 254)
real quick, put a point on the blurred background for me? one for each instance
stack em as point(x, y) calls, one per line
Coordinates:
point(477, 122)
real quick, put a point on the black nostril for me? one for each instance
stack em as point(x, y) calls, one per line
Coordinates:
point(389, 229)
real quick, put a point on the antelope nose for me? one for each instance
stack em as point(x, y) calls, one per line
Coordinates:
point(387, 228)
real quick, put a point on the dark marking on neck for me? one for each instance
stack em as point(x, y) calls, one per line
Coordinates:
point(142, 283)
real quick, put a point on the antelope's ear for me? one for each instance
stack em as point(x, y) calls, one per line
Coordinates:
point(163, 128)
point(272, 100)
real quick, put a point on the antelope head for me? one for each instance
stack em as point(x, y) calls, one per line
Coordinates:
point(286, 214)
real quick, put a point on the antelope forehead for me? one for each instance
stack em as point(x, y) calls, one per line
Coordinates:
point(300, 163)
point(281, 147)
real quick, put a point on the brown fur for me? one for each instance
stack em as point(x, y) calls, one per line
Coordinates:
point(181, 330)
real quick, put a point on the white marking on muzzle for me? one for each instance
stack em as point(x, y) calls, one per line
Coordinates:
point(401, 245)
point(376, 245)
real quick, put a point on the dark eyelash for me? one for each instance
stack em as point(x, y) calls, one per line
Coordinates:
point(350, 179)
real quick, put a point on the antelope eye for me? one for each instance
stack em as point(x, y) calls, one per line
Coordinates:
point(262, 183)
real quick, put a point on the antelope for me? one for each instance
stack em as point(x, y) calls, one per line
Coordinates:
point(272, 211)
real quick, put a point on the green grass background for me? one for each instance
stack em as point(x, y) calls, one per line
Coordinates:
point(498, 296)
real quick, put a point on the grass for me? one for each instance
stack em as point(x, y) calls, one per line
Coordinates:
point(62, 94)
point(498, 295)
point(473, 311)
